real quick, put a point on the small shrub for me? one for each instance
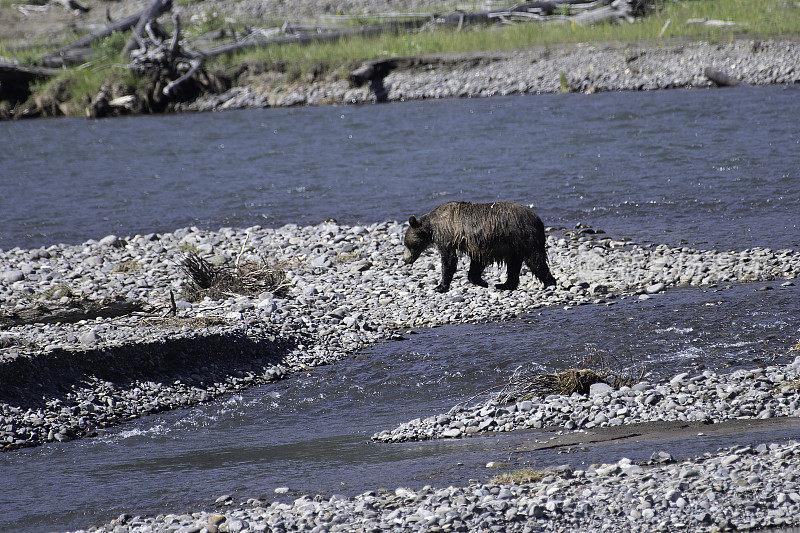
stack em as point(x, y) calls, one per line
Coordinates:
point(563, 83)
point(131, 265)
point(595, 369)
point(248, 278)
point(522, 475)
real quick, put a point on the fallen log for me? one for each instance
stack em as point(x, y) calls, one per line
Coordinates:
point(78, 51)
point(75, 311)
point(613, 12)
point(156, 9)
point(308, 38)
point(11, 73)
point(73, 5)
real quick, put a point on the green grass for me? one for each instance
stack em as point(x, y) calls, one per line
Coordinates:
point(76, 86)
point(26, 56)
point(760, 18)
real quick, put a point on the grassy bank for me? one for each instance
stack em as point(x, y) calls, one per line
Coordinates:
point(74, 87)
point(759, 18)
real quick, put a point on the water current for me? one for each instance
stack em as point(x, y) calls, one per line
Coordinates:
point(714, 168)
point(711, 168)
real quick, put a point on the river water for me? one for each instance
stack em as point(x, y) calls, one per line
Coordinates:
point(707, 167)
point(711, 167)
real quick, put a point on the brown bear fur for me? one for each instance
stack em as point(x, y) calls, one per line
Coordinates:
point(497, 232)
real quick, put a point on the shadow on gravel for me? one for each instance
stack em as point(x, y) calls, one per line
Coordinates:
point(29, 382)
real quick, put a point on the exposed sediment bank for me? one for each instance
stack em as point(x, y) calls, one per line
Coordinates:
point(347, 289)
point(573, 68)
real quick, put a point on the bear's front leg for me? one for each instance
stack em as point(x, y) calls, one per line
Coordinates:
point(475, 275)
point(449, 264)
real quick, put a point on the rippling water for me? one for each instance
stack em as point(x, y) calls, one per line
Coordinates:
point(711, 167)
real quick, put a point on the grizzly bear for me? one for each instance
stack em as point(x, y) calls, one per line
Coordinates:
point(497, 232)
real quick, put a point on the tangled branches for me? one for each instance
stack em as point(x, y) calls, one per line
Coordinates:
point(248, 278)
point(524, 385)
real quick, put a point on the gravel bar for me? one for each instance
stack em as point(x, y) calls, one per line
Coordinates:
point(347, 289)
point(708, 397)
point(735, 488)
point(587, 68)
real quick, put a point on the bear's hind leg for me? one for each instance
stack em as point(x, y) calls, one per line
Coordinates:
point(475, 275)
point(512, 278)
point(540, 269)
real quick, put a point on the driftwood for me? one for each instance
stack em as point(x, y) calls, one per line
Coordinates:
point(613, 12)
point(78, 51)
point(11, 73)
point(310, 37)
point(156, 9)
point(74, 311)
point(73, 5)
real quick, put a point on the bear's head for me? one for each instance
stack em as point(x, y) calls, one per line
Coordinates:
point(419, 237)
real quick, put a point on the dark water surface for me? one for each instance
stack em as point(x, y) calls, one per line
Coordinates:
point(311, 432)
point(712, 167)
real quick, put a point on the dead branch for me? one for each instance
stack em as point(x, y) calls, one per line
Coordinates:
point(308, 38)
point(194, 66)
point(152, 13)
point(77, 51)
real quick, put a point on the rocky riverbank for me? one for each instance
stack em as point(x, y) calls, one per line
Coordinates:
point(735, 488)
point(708, 397)
point(575, 68)
point(346, 288)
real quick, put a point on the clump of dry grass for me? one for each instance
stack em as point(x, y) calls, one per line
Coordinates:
point(59, 291)
point(131, 265)
point(247, 278)
point(596, 369)
point(522, 475)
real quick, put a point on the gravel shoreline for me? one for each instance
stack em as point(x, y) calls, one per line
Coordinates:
point(347, 289)
point(734, 488)
point(708, 397)
point(587, 68)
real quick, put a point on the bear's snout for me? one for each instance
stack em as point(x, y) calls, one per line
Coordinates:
point(409, 257)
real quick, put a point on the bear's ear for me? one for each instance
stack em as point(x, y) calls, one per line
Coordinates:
point(413, 221)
